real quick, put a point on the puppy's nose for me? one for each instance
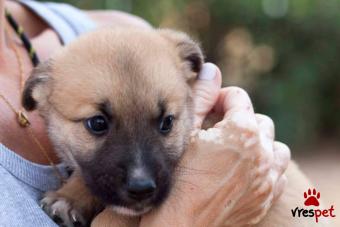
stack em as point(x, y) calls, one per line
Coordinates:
point(140, 188)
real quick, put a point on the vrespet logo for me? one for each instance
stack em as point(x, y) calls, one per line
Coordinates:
point(312, 199)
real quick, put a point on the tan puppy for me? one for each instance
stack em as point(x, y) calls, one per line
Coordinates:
point(118, 107)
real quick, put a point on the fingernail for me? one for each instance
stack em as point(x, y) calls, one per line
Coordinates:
point(208, 72)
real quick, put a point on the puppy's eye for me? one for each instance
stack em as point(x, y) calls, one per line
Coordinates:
point(166, 124)
point(97, 125)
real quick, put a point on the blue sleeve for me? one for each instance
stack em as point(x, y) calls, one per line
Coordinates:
point(66, 20)
point(19, 205)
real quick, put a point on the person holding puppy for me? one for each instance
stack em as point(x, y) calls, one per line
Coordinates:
point(25, 152)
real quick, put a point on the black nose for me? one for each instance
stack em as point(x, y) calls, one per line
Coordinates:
point(140, 188)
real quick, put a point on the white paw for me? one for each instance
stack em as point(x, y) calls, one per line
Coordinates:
point(62, 211)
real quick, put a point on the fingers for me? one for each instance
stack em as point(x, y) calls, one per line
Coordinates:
point(281, 161)
point(206, 90)
point(280, 151)
point(266, 125)
point(279, 187)
point(281, 154)
point(233, 99)
point(236, 107)
point(281, 157)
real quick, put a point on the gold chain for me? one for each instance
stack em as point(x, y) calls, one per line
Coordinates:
point(22, 117)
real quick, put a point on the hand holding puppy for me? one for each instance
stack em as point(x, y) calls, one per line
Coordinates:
point(233, 171)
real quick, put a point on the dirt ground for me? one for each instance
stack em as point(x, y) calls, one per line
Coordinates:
point(322, 167)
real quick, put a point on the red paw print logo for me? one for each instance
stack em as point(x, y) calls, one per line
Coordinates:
point(311, 198)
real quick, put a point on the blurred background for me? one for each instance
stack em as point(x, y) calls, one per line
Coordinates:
point(285, 53)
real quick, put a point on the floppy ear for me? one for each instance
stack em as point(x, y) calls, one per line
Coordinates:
point(189, 51)
point(35, 90)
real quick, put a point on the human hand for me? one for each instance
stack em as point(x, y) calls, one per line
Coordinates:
point(231, 173)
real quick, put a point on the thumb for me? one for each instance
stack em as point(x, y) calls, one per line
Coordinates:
point(206, 90)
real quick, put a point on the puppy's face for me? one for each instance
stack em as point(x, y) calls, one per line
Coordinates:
point(118, 106)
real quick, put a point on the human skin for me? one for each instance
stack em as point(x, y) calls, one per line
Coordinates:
point(232, 172)
point(46, 42)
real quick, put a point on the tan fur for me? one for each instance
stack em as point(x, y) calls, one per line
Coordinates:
point(108, 218)
point(134, 77)
point(66, 95)
point(73, 97)
point(77, 195)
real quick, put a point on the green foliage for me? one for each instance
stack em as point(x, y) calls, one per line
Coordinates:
point(286, 53)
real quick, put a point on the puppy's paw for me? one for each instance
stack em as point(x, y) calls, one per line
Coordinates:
point(62, 210)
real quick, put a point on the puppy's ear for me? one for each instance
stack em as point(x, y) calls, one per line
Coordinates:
point(35, 90)
point(189, 51)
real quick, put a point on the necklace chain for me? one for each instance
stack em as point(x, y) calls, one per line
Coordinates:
point(22, 118)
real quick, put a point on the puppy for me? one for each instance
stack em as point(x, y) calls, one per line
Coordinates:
point(118, 107)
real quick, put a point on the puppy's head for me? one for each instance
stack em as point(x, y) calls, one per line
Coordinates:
point(118, 106)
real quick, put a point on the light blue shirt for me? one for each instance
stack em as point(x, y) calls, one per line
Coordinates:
point(22, 183)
